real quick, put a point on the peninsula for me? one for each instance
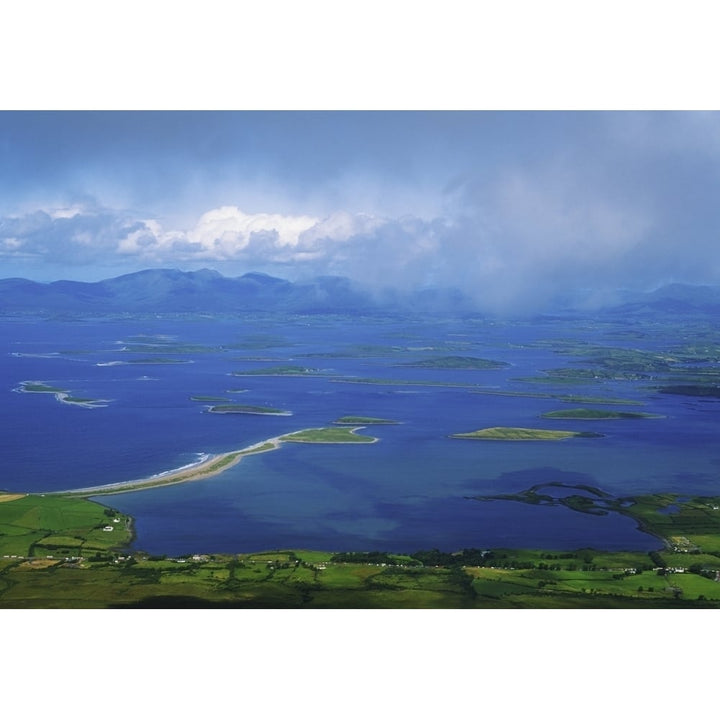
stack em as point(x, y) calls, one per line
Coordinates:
point(211, 465)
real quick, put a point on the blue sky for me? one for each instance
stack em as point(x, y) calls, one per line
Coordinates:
point(511, 207)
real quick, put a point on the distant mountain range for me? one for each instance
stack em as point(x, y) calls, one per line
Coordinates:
point(175, 291)
point(675, 298)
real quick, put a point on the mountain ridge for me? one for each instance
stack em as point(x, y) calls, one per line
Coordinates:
point(168, 290)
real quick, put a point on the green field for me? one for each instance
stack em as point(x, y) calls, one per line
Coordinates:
point(32, 524)
point(54, 553)
point(516, 434)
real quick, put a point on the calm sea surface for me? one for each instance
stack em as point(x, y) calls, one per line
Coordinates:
point(410, 490)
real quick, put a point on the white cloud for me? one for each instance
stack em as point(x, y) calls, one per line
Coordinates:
point(67, 212)
point(226, 231)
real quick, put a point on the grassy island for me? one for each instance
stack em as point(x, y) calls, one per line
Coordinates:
point(281, 370)
point(594, 414)
point(514, 434)
point(246, 410)
point(359, 420)
point(63, 396)
point(457, 362)
point(157, 361)
point(712, 391)
point(29, 386)
point(328, 435)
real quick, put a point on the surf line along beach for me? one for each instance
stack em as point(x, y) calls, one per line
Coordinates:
point(209, 466)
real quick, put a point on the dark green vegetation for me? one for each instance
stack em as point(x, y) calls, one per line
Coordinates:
point(282, 370)
point(328, 435)
point(685, 369)
point(457, 362)
point(389, 381)
point(54, 553)
point(247, 410)
point(167, 348)
point(515, 434)
point(560, 397)
point(594, 414)
point(39, 387)
point(359, 420)
point(157, 361)
point(692, 390)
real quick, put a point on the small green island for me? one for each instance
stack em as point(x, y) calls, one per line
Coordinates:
point(515, 434)
point(595, 414)
point(457, 362)
point(233, 409)
point(61, 395)
point(157, 361)
point(328, 435)
point(281, 371)
point(360, 420)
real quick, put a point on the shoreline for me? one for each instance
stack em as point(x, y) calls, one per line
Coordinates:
point(208, 466)
point(62, 396)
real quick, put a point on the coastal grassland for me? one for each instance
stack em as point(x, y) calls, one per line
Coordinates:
point(517, 434)
point(359, 420)
point(501, 578)
point(595, 414)
point(694, 586)
point(689, 525)
point(35, 524)
point(686, 526)
point(328, 435)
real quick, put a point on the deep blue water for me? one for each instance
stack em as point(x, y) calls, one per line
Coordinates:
point(411, 490)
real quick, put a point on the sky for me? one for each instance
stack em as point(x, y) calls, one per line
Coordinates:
point(514, 208)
